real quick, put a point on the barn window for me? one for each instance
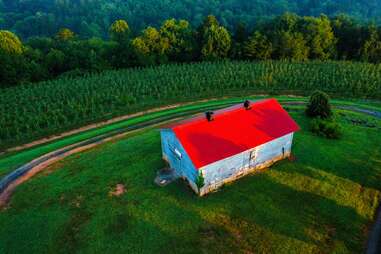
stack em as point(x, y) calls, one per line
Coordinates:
point(178, 153)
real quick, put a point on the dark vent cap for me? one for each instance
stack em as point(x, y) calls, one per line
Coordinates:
point(209, 115)
point(246, 104)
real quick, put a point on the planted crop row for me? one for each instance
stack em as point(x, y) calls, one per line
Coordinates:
point(30, 111)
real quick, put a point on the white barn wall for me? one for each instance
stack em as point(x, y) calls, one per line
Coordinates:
point(183, 166)
point(229, 169)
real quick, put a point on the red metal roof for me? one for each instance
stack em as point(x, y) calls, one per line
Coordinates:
point(233, 130)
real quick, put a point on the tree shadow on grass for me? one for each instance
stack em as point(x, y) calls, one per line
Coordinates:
point(354, 156)
point(295, 214)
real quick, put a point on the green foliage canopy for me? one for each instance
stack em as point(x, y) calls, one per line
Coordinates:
point(10, 43)
point(258, 47)
point(216, 40)
point(119, 30)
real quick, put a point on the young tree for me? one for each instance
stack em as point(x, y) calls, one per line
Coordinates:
point(258, 47)
point(319, 106)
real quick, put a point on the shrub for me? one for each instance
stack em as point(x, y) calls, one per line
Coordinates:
point(200, 181)
point(319, 106)
point(326, 128)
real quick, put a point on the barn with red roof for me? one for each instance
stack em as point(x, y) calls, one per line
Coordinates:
point(211, 149)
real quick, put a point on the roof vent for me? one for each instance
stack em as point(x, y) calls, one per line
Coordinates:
point(246, 104)
point(209, 115)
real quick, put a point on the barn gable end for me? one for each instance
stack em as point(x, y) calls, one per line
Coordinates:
point(174, 153)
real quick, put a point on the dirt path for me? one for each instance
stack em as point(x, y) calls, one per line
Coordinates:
point(22, 174)
point(110, 121)
point(94, 126)
point(43, 162)
point(129, 116)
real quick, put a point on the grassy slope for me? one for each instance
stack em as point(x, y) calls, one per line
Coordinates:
point(10, 162)
point(323, 202)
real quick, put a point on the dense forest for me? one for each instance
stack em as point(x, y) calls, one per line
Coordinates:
point(89, 18)
point(287, 37)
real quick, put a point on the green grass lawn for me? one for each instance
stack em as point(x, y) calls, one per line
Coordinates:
point(323, 202)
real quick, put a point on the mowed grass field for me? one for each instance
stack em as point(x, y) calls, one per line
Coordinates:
point(324, 202)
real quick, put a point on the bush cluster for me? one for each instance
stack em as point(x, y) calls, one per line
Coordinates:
point(319, 106)
point(323, 122)
point(326, 128)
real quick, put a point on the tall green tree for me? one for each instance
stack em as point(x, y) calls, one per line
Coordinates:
point(319, 36)
point(258, 47)
point(239, 38)
point(121, 52)
point(371, 50)
point(151, 47)
point(216, 40)
point(291, 46)
point(179, 36)
point(349, 37)
point(286, 22)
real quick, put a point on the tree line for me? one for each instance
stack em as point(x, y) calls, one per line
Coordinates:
point(92, 18)
point(287, 37)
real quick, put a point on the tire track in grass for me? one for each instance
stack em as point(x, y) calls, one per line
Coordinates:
point(25, 172)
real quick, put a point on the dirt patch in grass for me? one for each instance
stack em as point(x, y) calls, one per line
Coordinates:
point(118, 190)
point(6, 194)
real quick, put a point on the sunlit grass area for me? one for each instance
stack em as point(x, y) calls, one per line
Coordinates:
point(322, 202)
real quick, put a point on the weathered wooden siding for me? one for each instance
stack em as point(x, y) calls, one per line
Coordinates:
point(226, 170)
point(171, 148)
point(229, 169)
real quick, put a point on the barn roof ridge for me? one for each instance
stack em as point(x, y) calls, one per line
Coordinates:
point(217, 114)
